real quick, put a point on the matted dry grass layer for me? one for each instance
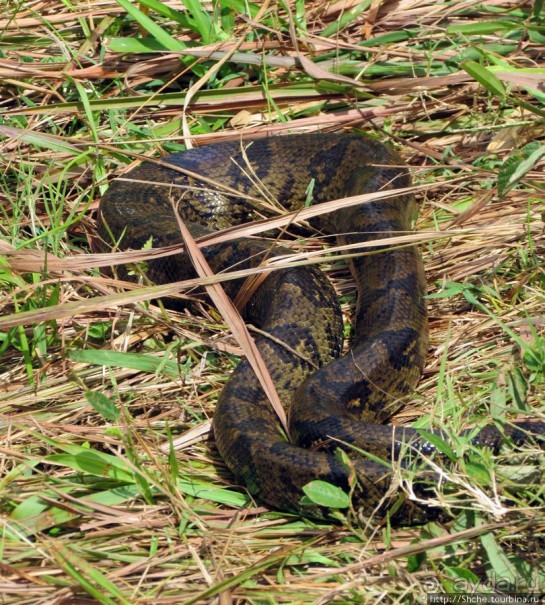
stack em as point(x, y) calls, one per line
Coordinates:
point(95, 507)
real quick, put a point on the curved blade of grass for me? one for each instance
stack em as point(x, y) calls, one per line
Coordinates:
point(201, 22)
point(485, 77)
point(345, 19)
point(166, 11)
point(302, 90)
point(482, 28)
point(134, 361)
point(151, 26)
point(88, 577)
point(37, 514)
point(515, 167)
point(235, 322)
point(39, 139)
point(92, 462)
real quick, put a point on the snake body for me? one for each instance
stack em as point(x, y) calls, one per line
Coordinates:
point(330, 398)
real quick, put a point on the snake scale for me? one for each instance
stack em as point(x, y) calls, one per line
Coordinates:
point(329, 397)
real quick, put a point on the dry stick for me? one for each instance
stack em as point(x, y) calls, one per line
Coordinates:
point(34, 260)
point(233, 320)
point(141, 294)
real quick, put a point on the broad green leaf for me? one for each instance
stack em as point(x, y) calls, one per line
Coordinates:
point(522, 474)
point(464, 574)
point(325, 494)
point(485, 77)
point(503, 568)
point(214, 494)
point(438, 443)
point(515, 167)
point(36, 514)
point(498, 401)
point(92, 462)
point(103, 405)
point(134, 45)
point(478, 471)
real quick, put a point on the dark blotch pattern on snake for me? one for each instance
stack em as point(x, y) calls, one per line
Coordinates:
point(347, 398)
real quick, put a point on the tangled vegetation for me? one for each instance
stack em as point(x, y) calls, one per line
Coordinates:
point(109, 491)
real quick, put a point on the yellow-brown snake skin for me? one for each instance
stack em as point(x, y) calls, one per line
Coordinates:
point(347, 398)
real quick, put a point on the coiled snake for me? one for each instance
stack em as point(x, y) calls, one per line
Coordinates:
point(347, 398)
